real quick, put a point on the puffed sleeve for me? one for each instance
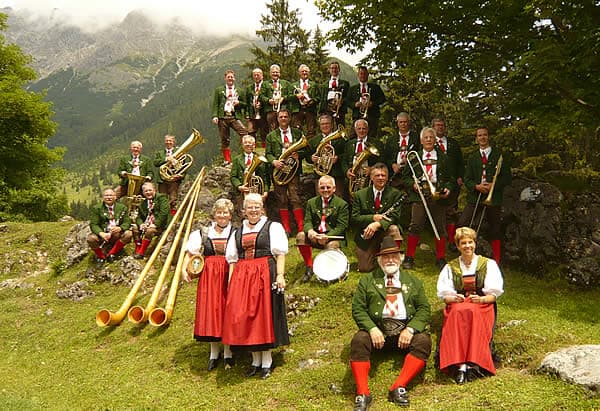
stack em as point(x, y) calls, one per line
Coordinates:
point(445, 285)
point(279, 241)
point(494, 283)
point(194, 242)
point(231, 252)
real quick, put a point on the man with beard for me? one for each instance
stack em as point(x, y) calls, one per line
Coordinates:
point(391, 311)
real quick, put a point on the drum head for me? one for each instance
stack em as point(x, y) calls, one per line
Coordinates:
point(330, 266)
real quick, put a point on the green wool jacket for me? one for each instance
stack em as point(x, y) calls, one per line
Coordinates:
point(369, 301)
point(286, 92)
point(337, 169)
point(100, 217)
point(336, 215)
point(219, 98)
point(456, 162)
point(363, 209)
point(343, 86)
point(377, 98)
point(237, 172)
point(444, 177)
point(126, 164)
point(274, 146)
point(473, 173)
point(162, 214)
point(314, 92)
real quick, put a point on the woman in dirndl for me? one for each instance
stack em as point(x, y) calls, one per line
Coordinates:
point(211, 293)
point(469, 285)
point(255, 314)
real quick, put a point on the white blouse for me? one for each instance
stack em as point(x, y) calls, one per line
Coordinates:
point(277, 236)
point(493, 283)
point(194, 242)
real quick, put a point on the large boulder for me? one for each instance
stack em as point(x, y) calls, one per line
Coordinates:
point(577, 365)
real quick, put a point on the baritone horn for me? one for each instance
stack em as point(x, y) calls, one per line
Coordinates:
point(171, 171)
point(326, 152)
point(283, 175)
point(254, 183)
point(359, 169)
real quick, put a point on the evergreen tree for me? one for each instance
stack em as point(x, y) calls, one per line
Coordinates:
point(318, 57)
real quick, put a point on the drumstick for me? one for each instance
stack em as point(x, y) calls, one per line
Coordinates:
point(335, 237)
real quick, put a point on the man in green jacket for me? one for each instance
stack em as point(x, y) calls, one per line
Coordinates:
point(137, 164)
point(325, 216)
point(391, 311)
point(153, 217)
point(110, 225)
point(163, 156)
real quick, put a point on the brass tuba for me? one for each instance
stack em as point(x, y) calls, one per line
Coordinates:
point(134, 199)
point(326, 152)
point(359, 169)
point(254, 182)
point(282, 176)
point(182, 161)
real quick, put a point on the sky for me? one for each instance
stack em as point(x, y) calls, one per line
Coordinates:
point(242, 16)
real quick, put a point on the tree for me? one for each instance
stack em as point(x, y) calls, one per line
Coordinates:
point(318, 57)
point(287, 43)
point(29, 184)
point(530, 65)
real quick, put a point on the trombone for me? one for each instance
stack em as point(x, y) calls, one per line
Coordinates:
point(488, 200)
point(434, 193)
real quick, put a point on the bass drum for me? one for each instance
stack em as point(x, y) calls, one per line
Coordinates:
point(331, 266)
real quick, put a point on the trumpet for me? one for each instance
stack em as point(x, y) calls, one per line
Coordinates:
point(303, 97)
point(231, 102)
point(278, 99)
point(334, 104)
point(365, 100)
point(420, 189)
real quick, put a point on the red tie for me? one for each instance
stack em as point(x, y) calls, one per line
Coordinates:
point(333, 83)
point(286, 140)
point(323, 225)
point(230, 92)
point(364, 89)
point(441, 144)
point(248, 161)
point(275, 85)
point(305, 85)
point(359, 146)
point(391, 302)
point(111, 213)
point(484, 161)
point(404, 142)
point(257, 89)
point(428, 166)
point(378, 201)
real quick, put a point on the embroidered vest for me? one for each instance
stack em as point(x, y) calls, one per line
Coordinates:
point(480, 274)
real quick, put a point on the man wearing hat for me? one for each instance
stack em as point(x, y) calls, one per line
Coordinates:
point(391, 310)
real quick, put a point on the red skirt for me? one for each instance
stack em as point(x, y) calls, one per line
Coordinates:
point(466, 335)
point(248, 311)
point(211, 295)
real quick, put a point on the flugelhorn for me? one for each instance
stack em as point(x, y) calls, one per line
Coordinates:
point(277, 98)
point(183, 161)
point(365, 100)
point(326, 152)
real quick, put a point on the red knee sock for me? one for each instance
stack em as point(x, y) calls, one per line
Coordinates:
point(285, 220)
point(116, 248)
point(497, 250)
point(412, 366)
point(99, 253)
point(440, 248)
point(451, 230)
point(143, 246)
point(227, 155)
point(411, 245)
point(306, 252)
point(360, 371)
point(299, 217)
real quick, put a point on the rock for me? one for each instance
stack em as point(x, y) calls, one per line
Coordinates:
point(577, 365)
point(66, 218)
point(75, 291)
point(76, 243)
point(3, 228)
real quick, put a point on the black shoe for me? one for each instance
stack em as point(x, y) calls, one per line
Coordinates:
point(228, 362)
point(100, 262)
point(473, 373)
point(138, 256)
point(265, 373)
point(362, 402)
point(212, 363)
point(110, 258)
point(408, 263)
point(307, 274)
point(440, 262)
point(253, 370)
point(399, 396)
point(460, 377)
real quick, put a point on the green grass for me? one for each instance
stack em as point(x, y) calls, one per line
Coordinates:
point(54, 356)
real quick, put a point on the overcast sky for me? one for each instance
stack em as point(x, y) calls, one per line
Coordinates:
point(243, 16)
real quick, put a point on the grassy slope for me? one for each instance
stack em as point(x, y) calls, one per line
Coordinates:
point(54, 356)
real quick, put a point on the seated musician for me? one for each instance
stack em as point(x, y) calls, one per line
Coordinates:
point(391, 311)
point(335, 170)
point(137, 164)
point(469, 285)
point(375, 214)
point(326, 216)
point(110, 225)
point(435, 169)
point(153, 217)
point(241, 163)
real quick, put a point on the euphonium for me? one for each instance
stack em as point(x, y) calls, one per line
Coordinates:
point(283, 175)
point(254, 182)
point(359, 169)
point(183, 161)
point(428, 184)
point(488, 199)
point(326, 152)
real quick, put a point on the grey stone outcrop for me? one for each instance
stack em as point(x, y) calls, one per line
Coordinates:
point(578, 364)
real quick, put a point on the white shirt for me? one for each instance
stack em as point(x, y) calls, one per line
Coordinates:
point(277, 236)
point(194, 242)
point(493, 283)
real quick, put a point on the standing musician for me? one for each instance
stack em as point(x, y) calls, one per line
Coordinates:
point(375, 214)
point(336, 171)
point(278, 92)
point(396, 149)
point(353, 149)
point(256, 101)
point(334, 96)
point(241, 164)
point(227, 112)
point(211, 293)
point(255, 313)
point(365, 99)
point(452, 149)
point(136, 163)
point(436, 170)
point(479, 175)
point(169, 188)
point(278, 141)
point(153, 217)
point(304, 103)
point(110, 225)
point(326, 215)
point(391, 311)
